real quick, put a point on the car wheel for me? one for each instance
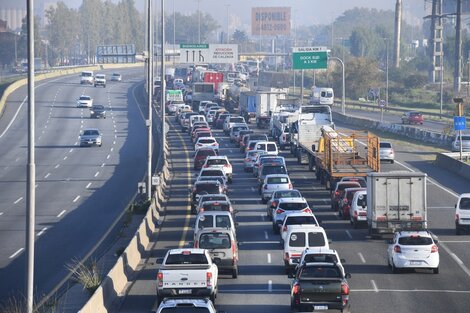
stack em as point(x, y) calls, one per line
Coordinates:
point(435, 270)
point(354, 223)
point(235, 272)
point(395, 270)
point(275, 228)
point(457, 231)
point(212, 297)
point(264, 201)
point(392, 161)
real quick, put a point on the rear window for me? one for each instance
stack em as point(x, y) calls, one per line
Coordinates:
point(216, 207)
point(293, 206)
point(385, 145)
point(206, 152)
point(185, 309)
point(212, 173)
point(277, 169)
point(297, 240)
point(320, 272)
point(217, 162)
point(300, 220)
point(212, 198)
point(316, 258)
point(316, 239)
point(288, 194)
point(415, 114)
point(465, 204)
point(278, 180)
point(463, 138)
point(206, 141)
point(222, 221)
point(189, 258)
point(272, 147)
point(362, 200)
point(214, 241)
point(259, 137)
point(236, 120)
point(209, 188)
point(341, 187)
point(415, 241)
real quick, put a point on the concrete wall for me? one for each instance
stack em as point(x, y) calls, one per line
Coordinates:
point(451, 162)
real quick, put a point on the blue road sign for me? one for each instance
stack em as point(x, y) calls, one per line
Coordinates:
point(460, 123)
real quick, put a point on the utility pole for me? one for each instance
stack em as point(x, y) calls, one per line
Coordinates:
point(31, 170)
point(150, 98)
point(163, 94)
point(199, 21)
point(458, 49)
point(398, 13)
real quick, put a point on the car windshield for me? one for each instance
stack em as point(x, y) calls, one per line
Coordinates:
point(214, 241)
point(287, 194)
point(299, 220)
point(217, 162)
point(293, 206)
point(415, 241)
point(91, 133)
point(465, 204)
point(278, 180)
point(386, 145)
point(320, 272)
point(185, 309)
point(207, 188)
point(186, 258)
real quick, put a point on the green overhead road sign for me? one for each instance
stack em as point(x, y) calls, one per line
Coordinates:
point(309, 58)
point(194, 46)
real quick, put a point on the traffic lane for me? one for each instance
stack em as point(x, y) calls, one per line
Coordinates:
point(76, 233)
point(389, 117)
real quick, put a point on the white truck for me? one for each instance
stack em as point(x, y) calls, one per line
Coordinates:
point(396, 201)
point(281, 122)
point(306, 131)
point(187, 272)
point(266, 103)
point(321, 95)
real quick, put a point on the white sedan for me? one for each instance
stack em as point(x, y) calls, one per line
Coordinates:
point(272, 183)
point(413, 250)
point(209, 142)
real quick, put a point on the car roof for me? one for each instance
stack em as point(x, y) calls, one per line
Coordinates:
point(276, 175)
point(292, 200)
point(192, 250)
point(295, 214)
point(354, 189)
point(214, 157)
point(297, 227)
point(202, 182)
point(407, 233)
point(215, 213)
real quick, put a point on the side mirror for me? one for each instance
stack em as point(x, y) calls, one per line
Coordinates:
point(390, 242)
point(236, 224)
point(330, 241)
point(158, 260)
point(235, 211)
point(455, 206)
point(190, 190)
point(342, 260)
point(348, 275)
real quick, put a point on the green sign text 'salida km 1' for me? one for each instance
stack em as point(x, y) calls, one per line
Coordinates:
point(308, 58)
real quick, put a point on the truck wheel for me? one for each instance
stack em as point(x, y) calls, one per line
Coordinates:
point(435, 270)
point(159, 300)
point(212, 297)
point(235, 272)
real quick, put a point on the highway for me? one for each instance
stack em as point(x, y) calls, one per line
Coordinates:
point(80, 191)
point(262, 285)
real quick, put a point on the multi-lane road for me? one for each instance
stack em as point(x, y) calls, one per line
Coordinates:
point(80, 192)
point(262, 285)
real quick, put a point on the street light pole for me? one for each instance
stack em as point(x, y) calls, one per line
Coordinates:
point(150, 98)
point(199, 21)
point(343, 98)
point(163, 94)
point(31, 171)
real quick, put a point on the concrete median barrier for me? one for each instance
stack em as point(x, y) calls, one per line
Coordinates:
point(450, 161)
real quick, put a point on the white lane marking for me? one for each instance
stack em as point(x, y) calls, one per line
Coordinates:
point(39, 138)
point(36, 186)
point(269, 258)
point(231, 151)
point(57, 166)
point(266, 235)
point(76, 143)
point(361, 257)
point(97, 173)
point(16, 253)
point(454, 241)
point(111, 149)
point(253, 189)
point(107, 158)
point(18, 200)
point(17, 159)
point(76, 199)
point(45, 126)
point(61, 213)
point(42, 231)
point(70, 151)
point(47, 175)
point(262, 217)
point(412, 290)
point(1, 213)
point(88, 185)
point(349, 234)
point(374, 285)
point(65, 157)
point(103, 164)
point(270, 286)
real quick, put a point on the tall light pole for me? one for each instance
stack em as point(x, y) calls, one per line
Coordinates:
point(386, 71)
point(163, 95)
point(174, 31)
point(458, 49)
point(343, 98)
point(150, 98)
point(31, 170)
point(198, 22)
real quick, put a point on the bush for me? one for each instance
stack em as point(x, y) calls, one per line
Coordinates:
point(415, 81)
point(86, 274)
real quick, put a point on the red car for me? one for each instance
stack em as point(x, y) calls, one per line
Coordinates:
point(412, 118)
point(337, 194)
point(201, 155)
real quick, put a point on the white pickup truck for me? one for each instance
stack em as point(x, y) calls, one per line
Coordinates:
point(187, 273)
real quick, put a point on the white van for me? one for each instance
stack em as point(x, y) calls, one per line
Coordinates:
point(214, 219)
point(87, 77)
point(299, 238)
point(195, 118)
point(269, 147)
point(322, 95)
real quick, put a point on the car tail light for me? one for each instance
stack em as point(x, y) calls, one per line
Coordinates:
point(247, 159)
point(416, 218)
point(355, 213)
point(286, 256)
point(381, 218)
point(214, 144)
point(457, 217)
point(290, 186)
point(208, 279)
point(206, 166)
point(196, 244)
point(284, 229)
point(201, 210)
point(226, 165)
point(160, 279)
point(434, 248)
point(344, 289)
point(397, 249)
point(284, 137)
point(234, 253)
point(279, 211)
point(336, 193)
point(307, 210)
point(296, 290)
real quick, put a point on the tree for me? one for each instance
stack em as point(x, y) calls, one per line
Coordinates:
point(239, 36)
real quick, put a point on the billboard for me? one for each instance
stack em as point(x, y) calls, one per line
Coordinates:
point(208, 53)
point(270, 21)
point(450, 7)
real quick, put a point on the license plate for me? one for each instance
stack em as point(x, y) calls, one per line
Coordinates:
point(415, 262)
point(90, 142)
point(320, 307)
point(362, 218)
point(184, 291)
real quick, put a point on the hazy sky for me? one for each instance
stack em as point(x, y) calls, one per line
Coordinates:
point(304, 12)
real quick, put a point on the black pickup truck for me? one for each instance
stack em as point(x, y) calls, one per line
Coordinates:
point(320, 287)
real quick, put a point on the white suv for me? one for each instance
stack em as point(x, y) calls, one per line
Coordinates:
point(462, 213)
point(100, 80)
point(87, 77)
point(288, 205)
point(170, 305)
point(220, 162)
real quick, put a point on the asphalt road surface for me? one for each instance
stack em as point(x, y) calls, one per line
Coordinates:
point(80, 191)
point(262, 285)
